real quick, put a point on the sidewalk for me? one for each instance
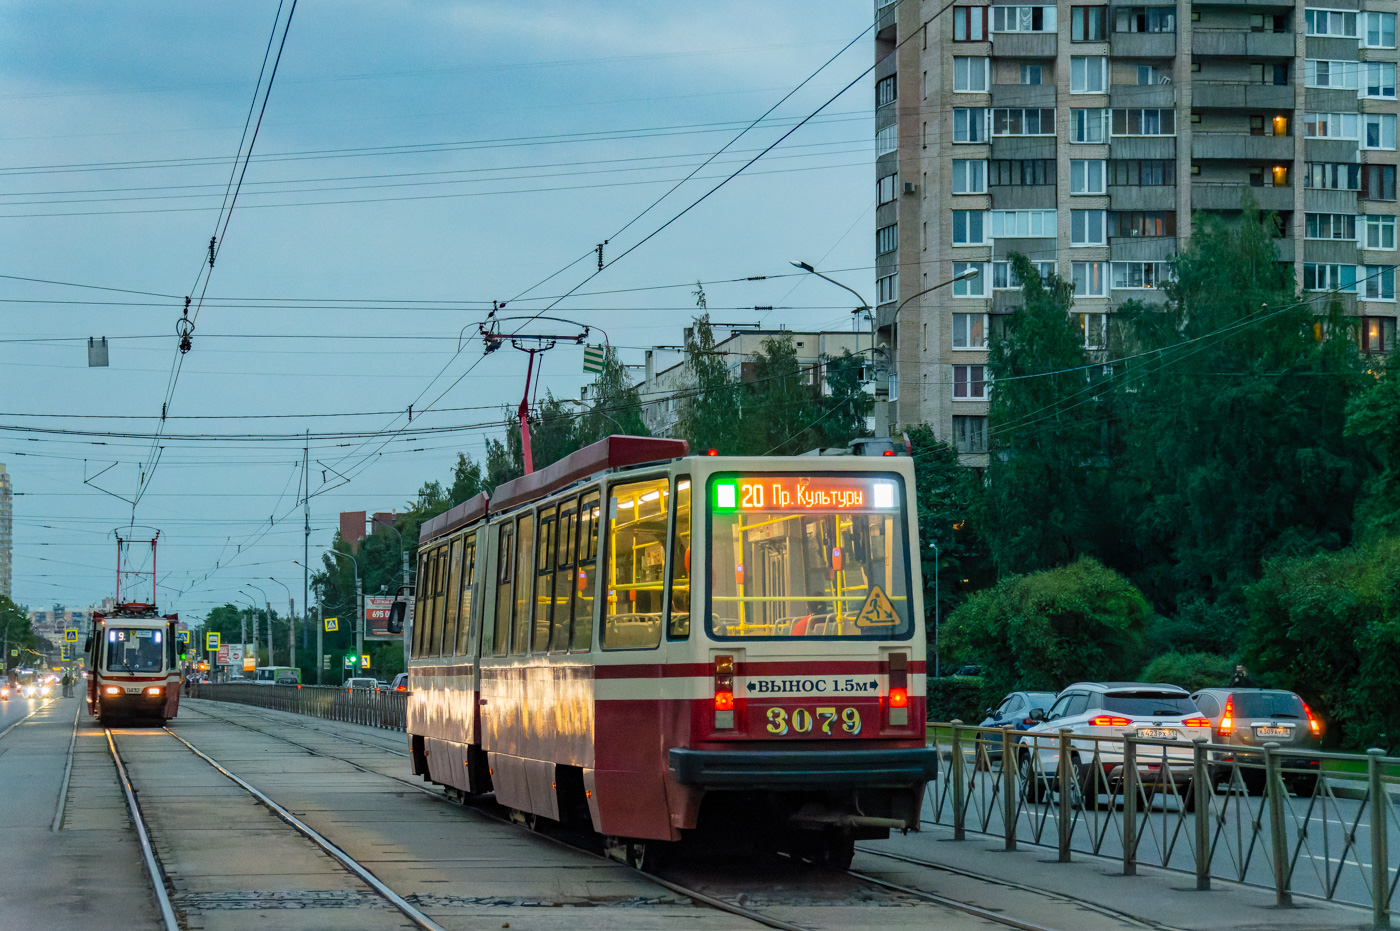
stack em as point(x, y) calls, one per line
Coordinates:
point(1091, 893)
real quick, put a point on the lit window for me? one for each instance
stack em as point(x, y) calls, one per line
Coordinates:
point(969, 331)
point(1089, 279)
point(1093, 329)
point(635, 565)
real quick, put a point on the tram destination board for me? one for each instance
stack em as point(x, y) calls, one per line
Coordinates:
point(829, 492)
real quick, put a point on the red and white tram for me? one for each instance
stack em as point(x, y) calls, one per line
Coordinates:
point(132, 656)
point(659, 645)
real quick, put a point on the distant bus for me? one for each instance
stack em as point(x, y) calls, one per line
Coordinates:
point(268, 675)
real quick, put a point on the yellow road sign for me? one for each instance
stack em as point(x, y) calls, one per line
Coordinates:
point(364, 661)
point(877, 610)
point(70, 636)
point(332, 624)
point(211, 640)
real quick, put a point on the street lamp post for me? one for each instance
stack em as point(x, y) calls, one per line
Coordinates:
point(253, 615)
point(267, 604)
point(359, 606)
point(937, 558)
point(291, 624)
point(320, 624)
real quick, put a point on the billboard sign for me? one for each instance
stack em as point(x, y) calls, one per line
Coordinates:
point(377, 609)
point(223, 657)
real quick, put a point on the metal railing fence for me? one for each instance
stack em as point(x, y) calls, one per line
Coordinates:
point(359, 706)
point(1301, 822)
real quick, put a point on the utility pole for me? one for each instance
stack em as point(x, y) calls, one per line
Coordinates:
point(291, 622)
point(320, 632)
point(306, 538)
point(359, 619)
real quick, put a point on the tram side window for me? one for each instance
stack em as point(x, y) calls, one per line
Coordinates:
point(423, 616)
point(589, 516)
point(678, 620)
point(566, 551)
point(439, 600)
point(465, 619)
point(636, 565)
point(505, 562)
point(524, 591)
point(454, 583)
point(544, 579)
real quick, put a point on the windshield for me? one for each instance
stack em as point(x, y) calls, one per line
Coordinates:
point(1146, 704)
point(823, 556)
point(135, 649)
point(1266, 705)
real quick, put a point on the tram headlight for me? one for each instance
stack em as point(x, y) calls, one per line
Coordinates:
point(155, 690)
point(112, 690)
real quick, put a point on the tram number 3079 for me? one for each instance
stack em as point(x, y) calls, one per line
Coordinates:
point(817, 721)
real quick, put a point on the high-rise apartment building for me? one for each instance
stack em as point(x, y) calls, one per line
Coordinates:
point(1085, 136)
point(7, 526)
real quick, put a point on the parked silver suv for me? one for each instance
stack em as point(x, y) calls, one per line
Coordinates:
point(1250, 718)
point(1097, 715)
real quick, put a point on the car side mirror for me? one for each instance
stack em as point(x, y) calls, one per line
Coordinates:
point(991, 712)
point(1037, 714)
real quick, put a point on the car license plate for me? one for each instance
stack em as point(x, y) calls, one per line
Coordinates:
point(1157, 733)
point(1271, 731)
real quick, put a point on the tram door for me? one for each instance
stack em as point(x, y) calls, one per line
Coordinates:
point(770, 559)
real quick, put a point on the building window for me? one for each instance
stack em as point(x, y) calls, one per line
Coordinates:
point(1331, 125)
point(1023, 171)
point(1377, 335)
point(1023, 121)
point(1380, 30)
point(1331, 226)
point(886, 288)
point(1144, 122)
point(1377, 231)
point(886, 140)
point(1259, 125)
point(1378, 131)
point(1088, 75)
point(887, 239)
point(1004, 276)
point(1023, 19)
point(1378, 79)
point(884, 188)
point(969, 382)
point(1267, 22)
point(970, 124)
point(1139, 276)
point(1377, 182)
point(1023, 224)
point(1086, 227)
point(1329, 277)
point(969, 228)
point(1148, 223)
point(1331, 23)
point(1031, 74)
point(1148, 75)
point(1089, 279)
point(1086, 176)
point(1146, 19)
point(1093, 329)
point(1273, 176)
point(1086, 23)
point(1376, 282)
point(1334, 74)
point(1088, 125)
point(969, 331)
point(970, 433)
point(969, 23)
point(885, 90)
point(1276, 75)
point(969, 176)
point(970, 287)
point(1146, 172)
point(1334, 176)
point(970, 75)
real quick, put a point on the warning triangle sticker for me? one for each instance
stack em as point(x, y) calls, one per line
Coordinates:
point(877, 610)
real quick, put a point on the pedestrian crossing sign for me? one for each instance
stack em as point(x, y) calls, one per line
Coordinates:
point(877, 610)
point(181, 636)
point(332, 624)
point(70, 636)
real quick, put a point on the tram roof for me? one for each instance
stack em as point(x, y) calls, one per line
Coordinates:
point(613, 452)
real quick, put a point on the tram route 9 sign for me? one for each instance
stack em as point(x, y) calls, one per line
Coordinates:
point(830, 492)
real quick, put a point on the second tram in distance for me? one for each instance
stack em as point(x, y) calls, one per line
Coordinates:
point(659, 646)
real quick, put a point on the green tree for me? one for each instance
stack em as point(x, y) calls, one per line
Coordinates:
point(467, 481)
point(1328, 627)
point(847, 404)
point(617, 404)
point(1050, 628)
point(16, 628)
point(777, 412)
point(1040, 510)
point(501, 466)
point(708, 411)
point(1373, 419)
point(1191, 671)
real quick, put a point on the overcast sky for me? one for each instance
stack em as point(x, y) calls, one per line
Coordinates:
point(416, 161)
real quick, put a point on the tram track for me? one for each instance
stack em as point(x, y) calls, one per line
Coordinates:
point(959, 905)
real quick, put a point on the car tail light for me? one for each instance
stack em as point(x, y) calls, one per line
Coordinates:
point(724, 692)
point(1108, 720)
point(1314, 724)
point(1196, 722)
point(1227, 723)
point(898, 672)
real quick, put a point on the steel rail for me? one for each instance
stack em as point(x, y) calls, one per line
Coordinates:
point(67, 775)
point(349, 862)
point(148, 854)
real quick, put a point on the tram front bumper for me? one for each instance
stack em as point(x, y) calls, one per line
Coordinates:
point(804, 769)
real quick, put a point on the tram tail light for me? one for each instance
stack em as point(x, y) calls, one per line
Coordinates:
point(898, 673)
point(724, 692)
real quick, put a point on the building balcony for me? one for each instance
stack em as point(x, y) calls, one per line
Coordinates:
point(1154, 197)
point(1023, 146)
point(1023, 95)
point(1224, 195)
point(1329, 100)
point(1324, 201)
point(1141, 248)
point(1142, 95)
point(1024, 44)
point(1331, 150)
point(1143, 146)
point(1039, 249)
point(1241, 96)
point(1329, 47)
point(1023, 196)
point(1143, 44)
point(1242, 146)
point(1238, 43)
point(1330, 251)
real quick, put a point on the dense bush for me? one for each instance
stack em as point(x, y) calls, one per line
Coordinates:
point(1191, 671)
point(957, 697)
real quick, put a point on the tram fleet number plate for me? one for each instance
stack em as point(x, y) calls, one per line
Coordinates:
point(819, 722)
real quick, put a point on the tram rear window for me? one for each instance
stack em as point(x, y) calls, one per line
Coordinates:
point(808, 556)
point(135, 649)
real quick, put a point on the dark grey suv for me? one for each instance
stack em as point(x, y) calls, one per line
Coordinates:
point(1251, 718)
